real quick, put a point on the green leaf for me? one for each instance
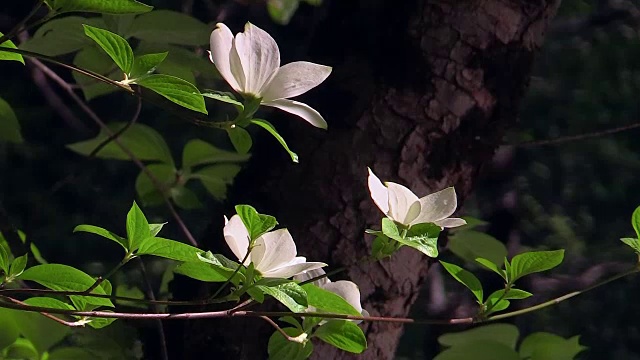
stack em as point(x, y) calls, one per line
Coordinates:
point(203, 271)
point(168, 249)
point(479, 350)
point(344, 335)
point(272, 130)
point(240, 139)
point(146, 64)
point(185, 198)
point(281, 11)
point(289, 294)
point(165, 26)
point(465, 278)
point(543, 346)
point(176, 90)
point(119, 24)
point(9, 125)
point(492, 266)
point(154, 229)
point(225, 97)
point(7, 55)
point(632, 243)
point(9, 331)
point(257, 224)
point(4, 261)
point(326, 301)
point(114, 45)
point(422, 237)
point(143, 141)
point(17, 266)
point(533, 262)
point(137, 227)
point(66, 278)
point(22, 349)
point(66, 353)
point(291, 321)
point(198, 152)
point(94, 59)
point(104, 233)
point(506, 334)
point(280, 348)
point(635, 220)
point(146, 189)
point(470, 245)
point(216, 178)
point(382, 247)
point(512, 294)
point(63, 36)
point(99, 6)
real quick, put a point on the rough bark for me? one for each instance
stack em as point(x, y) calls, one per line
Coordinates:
point(422, 92)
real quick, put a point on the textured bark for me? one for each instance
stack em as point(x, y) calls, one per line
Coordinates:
point(422, 92)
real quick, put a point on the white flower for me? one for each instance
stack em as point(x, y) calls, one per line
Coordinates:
point(403, 206)
point(347, 290)
point(274, 252)
point(250, 63)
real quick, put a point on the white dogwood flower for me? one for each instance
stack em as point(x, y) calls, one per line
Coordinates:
point(250, 63)
point(403, 206)
point(347, 290)
point(273, 254)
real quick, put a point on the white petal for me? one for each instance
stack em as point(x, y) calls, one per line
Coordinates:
point(292, 269)
point(273, 250)
point(403, 203)
point(236, 236)
point(379, 192)
point(310, 274)
point(259, 56)
point(346, 290)
point(450, 222)
point(301, 109)
point(294, 79)
point(221, 42)
point(437, 206)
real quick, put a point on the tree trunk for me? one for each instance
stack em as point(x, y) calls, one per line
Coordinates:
point(422, 92)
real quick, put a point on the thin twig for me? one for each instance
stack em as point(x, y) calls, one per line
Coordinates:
point(156, 183)
point(149, 290)
point(54, 318)
point(278, 328)
point(101, 279)
point(571, 138)
point(16, 29)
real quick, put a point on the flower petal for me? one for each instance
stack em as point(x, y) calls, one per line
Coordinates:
point(437, 206)
point(310, 274)
point(294, 79)
point(236, 236)
point(379, 192)
point(292, 269)
point(403, 203)
point(346, 290)
point(450, 222)
point(221, 42)
point(301, 109)
point(259, 56)
point(273, 250)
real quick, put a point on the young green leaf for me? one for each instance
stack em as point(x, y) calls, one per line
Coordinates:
point(281, 11)
point(424, 238)
point(492, 266)
point(344, 335)
point(240, 139)
point(465, 278)
point(154, 229)
point(9, 125)
point(176, 90)
point(104, 233)
point(198, 152)
point(257, 224)
point(280, 348)
point(146, 64)
point(289, 294)
point(512, 294)
point(382, 247)
point(168, 249)
point(137, 227)
point(203, 271)
point(327, 301)
point(17, 266)
point(7, 55)
point(66, 278)
point(225, 97)
point(99, 6)
point(632, 243)
point(635, 221)
point(272, 130)
point(142, 140)
point(533, 262)
point(4, 260)
point(114, 45)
